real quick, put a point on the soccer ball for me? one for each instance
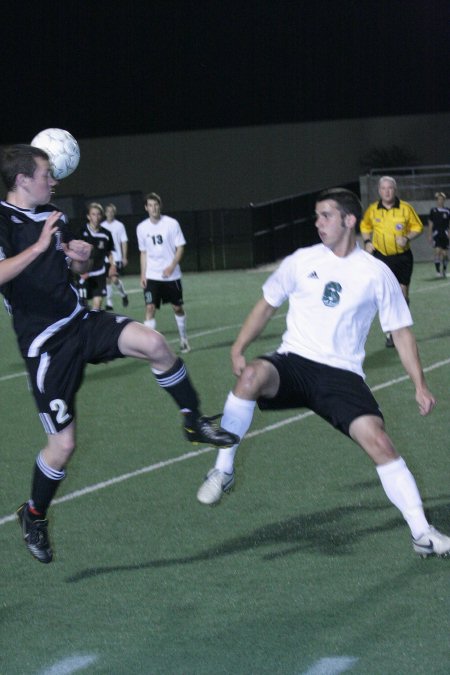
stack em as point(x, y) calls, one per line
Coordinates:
point(62, 150)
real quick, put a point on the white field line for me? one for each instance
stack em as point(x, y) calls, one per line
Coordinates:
point(332, 665)
point(196, 453)
point(71, 664)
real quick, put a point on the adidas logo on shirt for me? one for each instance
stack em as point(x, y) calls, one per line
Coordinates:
point(312, 275)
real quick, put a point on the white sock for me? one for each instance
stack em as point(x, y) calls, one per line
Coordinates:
point(151, 323)
point(181, 323)
point(400, 487)
point(109, 294)
point(237, 417)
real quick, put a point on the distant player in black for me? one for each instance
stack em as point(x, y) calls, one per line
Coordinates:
point(94, 281)
point(57, 336)
point(439, 232)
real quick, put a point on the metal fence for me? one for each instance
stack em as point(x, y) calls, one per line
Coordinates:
point(219, 239)
point(415, 183)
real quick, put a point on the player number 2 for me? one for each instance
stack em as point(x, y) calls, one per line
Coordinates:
point(60, 407)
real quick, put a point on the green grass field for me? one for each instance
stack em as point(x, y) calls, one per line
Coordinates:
point(305, 568)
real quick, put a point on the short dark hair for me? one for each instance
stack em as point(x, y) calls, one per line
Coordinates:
point(17, 159)
point(346, 200)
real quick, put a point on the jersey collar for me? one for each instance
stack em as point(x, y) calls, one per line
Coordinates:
point(395, 205)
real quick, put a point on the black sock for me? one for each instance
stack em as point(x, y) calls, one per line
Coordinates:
point(177, 383)
point(45, 483)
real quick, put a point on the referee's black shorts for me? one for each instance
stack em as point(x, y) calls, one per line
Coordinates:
point(338, 396)
point(400, 264)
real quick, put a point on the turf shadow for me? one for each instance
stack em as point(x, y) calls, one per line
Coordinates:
point(332, 532)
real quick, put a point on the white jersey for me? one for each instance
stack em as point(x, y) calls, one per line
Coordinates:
point(332, 303)
point(119, 235)
point(160, 241)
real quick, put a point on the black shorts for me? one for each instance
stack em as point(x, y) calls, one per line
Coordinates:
point(440, 241)
point(401, 265)
point(157, 292)
point(96, 287)
point(338, 396)
point(56, 374)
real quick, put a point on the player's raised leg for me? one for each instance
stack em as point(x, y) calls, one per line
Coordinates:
point(171, 374)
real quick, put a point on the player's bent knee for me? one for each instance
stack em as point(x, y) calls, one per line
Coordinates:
point(370, 434)
point(142, 342)
point(60, 447)
point(253, 380)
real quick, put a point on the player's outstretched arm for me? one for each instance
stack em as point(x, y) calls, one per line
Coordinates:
point(406, 346)
point(253, 326)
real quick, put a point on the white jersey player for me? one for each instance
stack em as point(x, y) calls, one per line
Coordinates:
point(334, 291)
point(161, 244)
point(120, 255)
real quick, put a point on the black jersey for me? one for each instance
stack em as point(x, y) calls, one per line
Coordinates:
point(41, 298)
point(102, 244)
point(440, 217)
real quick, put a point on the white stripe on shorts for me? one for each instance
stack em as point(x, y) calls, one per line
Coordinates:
point(44, 364)
point(47, 423)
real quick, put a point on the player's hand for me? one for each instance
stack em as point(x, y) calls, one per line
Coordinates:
point(49, 229)
point(425, 401)
point(78, 250)
point(369, 247)
point(144, 283)
point(402, 241)
point(238, 364)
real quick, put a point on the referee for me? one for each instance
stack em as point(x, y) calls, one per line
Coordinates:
point(387, 228)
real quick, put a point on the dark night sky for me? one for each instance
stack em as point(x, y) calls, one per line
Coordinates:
point(102, 68)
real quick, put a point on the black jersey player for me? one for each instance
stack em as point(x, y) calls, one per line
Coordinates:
point(94, 281)
point(439, 232)
point(57, 336)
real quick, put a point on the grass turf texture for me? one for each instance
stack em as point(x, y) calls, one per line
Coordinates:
point(305, 560)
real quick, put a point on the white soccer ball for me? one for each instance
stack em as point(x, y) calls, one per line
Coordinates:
point(62, 149)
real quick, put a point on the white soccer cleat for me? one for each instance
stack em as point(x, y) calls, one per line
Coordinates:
point(432, 542)
point(215, 485)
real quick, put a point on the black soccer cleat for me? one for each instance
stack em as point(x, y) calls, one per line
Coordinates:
point(35, 535)
point(202, 431)
point(389, 341)
point(125, 300)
